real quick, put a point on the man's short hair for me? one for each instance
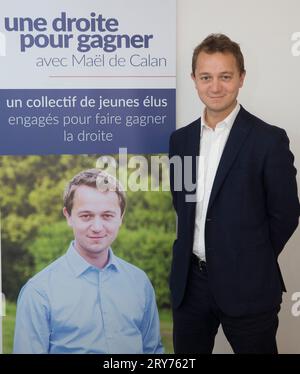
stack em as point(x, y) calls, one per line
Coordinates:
point(219, 43)
point(95, 178)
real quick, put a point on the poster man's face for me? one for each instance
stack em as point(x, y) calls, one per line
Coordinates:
point(95, 219)
point(218, 80)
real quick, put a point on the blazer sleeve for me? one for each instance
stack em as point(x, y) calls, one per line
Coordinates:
point(281, 191)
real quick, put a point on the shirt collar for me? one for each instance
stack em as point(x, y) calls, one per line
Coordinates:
point(79, 265)
point(227, 122)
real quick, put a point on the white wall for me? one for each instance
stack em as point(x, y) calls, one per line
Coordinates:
point(263, 28)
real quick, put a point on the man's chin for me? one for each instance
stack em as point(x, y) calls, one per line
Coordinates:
point(217, 107)
point(97, 247)
point(220, 105)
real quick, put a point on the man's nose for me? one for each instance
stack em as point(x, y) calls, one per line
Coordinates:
point(215, 85)
point(97, 224)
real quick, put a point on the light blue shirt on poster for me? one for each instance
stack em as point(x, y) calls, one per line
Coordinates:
point(74, 307)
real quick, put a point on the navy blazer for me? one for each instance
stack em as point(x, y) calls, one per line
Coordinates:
point(253, 210)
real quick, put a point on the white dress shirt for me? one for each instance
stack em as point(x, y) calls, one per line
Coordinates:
point(212, 143)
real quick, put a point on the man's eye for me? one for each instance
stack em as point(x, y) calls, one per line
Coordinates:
point(226, 77)
point(108, 216)
point(204, 78)
point(85, 216)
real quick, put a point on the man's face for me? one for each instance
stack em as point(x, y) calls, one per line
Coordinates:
point(218, 80)
point(95, 219)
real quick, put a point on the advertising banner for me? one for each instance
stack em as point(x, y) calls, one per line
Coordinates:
point(82, 83)
point(87, 78)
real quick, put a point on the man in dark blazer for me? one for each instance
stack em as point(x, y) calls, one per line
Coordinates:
point(234, 191)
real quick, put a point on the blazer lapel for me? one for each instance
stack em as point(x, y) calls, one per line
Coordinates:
point(193, 147)
point(193, 139)
point(236, 138)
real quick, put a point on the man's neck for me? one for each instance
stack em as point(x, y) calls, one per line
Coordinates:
point(99, 260)
point(213, 118)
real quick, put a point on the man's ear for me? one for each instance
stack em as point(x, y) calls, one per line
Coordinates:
point(193, 77)
point(194, 80)
point(67, 215)
point(242, 78)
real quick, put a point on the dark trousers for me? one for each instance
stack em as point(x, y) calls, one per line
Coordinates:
point(197, 320)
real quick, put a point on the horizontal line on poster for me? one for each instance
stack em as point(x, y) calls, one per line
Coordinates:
point(112, 76)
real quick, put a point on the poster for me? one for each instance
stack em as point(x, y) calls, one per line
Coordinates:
point(79, 81)
point(87, 79)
